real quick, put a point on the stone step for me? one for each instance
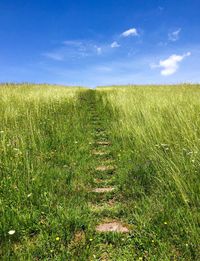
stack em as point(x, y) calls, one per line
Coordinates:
point(99, 152)
point(112, 226)
point(103, 143)
point(103, 190)
point(105, 168)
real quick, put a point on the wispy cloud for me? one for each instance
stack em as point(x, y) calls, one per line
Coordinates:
point(72, 49)
point(54, 56)
point(174, 36)
point(72, 43)
point(161, 8)
point(98, 50)
point(170, 65)
point(121, 70)
point(114, 45)
point(102, 68)
point(130, 32)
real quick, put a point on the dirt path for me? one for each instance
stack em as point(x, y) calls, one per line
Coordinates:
point(104, 189)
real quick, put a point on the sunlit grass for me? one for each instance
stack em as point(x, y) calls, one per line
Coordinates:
point(43, 153)
point(47, 170)
point(157, 130)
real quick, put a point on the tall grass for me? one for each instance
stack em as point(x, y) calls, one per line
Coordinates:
point(43, 153)
point(156, 133)
point(47, 172)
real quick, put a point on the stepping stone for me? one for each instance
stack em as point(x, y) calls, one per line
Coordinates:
point(103, 190)
point(114, 226)
point(105, 168)
point(104, 143)
point(96, 152)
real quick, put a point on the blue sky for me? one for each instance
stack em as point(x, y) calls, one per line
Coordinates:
point(91, 43)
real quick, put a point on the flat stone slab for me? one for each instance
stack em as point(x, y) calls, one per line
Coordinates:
point(105, 168)
point(103, 143)
point(114, 226)
point(103, 190)
point(96, 152)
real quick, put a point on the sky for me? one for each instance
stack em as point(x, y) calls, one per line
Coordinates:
point(105, 42)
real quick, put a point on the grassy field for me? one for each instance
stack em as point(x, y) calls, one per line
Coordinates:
point(49, 170)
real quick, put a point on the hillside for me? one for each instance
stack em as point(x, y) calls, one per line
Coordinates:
point(104, 174)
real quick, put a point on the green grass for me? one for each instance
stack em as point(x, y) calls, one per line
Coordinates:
point(47, 170)
point(156, 137)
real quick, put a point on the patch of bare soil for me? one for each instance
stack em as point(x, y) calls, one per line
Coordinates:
point(104, 168)
point(114, 226)
point(103, 190)
point(79, 239)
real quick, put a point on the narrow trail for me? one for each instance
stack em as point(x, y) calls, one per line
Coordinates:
point(104, 173)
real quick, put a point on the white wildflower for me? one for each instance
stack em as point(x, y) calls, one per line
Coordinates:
point(11, 232)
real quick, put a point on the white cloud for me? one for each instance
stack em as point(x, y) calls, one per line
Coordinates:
point(130, 32)
point(174, 36)
point(171, 64)
point(114, 45)
point(72, 42)
point(73, 50)
point(99, 50)
point(103, 68)
point(54, 56)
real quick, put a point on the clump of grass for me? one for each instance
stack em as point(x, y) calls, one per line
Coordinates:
point(43, 153)
point(156, 133)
